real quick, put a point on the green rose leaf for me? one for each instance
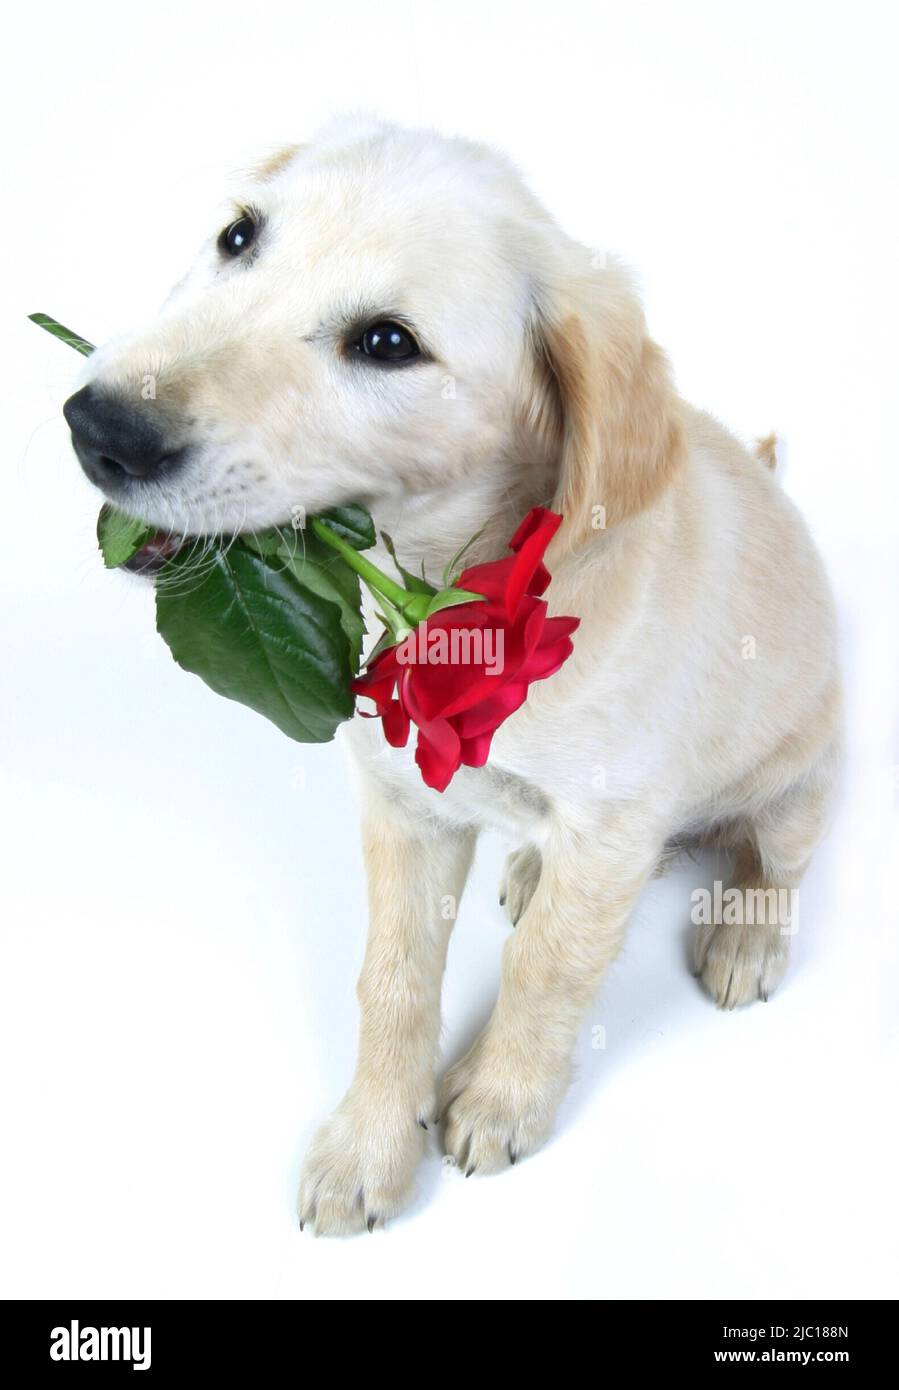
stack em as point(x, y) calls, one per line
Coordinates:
point(385, 641)
point(451, 574)
point(448, 598)
point(414, 583)
point(255, 634)
point(320, 570)
point(353, 523)
point(120, 536)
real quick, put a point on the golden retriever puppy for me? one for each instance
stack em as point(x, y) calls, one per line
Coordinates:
point(390, 317)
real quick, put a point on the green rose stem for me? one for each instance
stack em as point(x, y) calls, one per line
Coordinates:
point(402, 610)
point(65, 335)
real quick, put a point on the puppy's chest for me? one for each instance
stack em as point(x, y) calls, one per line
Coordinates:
point(494, 795)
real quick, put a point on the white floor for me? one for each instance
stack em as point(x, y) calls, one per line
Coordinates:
point(182, 900)
point(184, 920)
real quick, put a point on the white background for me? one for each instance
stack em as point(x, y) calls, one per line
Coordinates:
point(181, 892)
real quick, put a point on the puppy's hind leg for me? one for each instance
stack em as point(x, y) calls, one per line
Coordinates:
point(743, 955)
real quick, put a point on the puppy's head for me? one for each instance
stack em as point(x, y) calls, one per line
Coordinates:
point(381, 314)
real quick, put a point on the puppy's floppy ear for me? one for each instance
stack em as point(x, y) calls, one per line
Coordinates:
point(602, 394)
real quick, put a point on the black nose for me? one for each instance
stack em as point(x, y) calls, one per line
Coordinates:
point(114, 440)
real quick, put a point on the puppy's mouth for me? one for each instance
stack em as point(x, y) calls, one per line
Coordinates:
point(151, 557)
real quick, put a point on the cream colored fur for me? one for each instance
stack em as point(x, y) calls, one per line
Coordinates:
point(703, 690)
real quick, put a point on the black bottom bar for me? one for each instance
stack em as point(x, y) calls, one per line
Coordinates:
point(62, 1340)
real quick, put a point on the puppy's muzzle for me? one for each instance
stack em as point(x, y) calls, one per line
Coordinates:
point(116, 442)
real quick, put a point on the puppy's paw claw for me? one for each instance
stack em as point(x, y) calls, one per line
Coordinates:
point(493, 1118)
point(521, 875)
point(360, 1170)
point(740, 963)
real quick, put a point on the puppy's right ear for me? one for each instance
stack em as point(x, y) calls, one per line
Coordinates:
point(601, 395)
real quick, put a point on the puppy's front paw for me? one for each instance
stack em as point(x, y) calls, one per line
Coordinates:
point(739, 963)
point(520, 878)
point(360, 1169)
point(496, 1112)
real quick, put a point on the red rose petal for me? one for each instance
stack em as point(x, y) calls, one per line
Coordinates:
point(476, 751)
point(438, 753)
point(396, 725)
point(526, 574)
point(547, 660)
point(443, 691)
point(379, 680)
point(489, 714)
point(491, 580)
point(538, 518)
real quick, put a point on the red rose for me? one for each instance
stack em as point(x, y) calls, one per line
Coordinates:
point(467, 668)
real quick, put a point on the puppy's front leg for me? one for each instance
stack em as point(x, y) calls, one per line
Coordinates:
point(500, 1101)
point(361, 1166)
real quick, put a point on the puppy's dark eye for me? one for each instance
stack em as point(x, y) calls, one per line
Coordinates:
point(235, 239)
point(387, 342)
